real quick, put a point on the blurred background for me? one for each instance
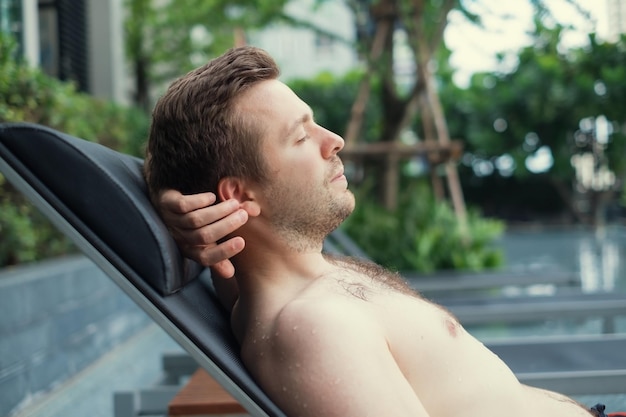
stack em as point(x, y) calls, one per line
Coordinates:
point(481, 136)
point(470, 117)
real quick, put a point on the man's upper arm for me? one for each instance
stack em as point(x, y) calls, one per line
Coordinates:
point(333, 360)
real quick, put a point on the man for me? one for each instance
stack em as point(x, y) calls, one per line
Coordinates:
point(322, 336)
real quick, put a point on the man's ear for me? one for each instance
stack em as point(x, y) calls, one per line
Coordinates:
point(238, 189)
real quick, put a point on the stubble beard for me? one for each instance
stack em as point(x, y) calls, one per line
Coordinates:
point(304, 218)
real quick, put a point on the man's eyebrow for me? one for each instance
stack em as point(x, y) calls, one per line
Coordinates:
point(299, 122)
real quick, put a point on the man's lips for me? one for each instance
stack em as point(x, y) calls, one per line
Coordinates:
point(338, 176)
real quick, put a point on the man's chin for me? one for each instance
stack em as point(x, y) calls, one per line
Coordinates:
point(343, 213)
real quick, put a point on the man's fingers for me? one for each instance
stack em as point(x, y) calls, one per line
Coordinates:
point(216, 254)
point(197, 226)
point(224, 269)
point(200, 217)
point(174, 201)
point(208, 215)
point(214, 231)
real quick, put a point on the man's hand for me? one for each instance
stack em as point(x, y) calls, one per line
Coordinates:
point(197, 226)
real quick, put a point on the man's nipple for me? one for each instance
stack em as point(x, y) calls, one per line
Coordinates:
point(452, 326)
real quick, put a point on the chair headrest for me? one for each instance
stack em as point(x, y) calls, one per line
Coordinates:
point(102, 194)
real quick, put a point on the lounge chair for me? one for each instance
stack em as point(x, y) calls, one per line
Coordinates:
point(528, 309)
point(572, 364)
point(97, 197)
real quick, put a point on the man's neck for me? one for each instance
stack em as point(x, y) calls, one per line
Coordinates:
point(259, 267)
point(268, 279)
point(277, 258)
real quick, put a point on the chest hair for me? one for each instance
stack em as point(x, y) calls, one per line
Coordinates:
point(360, 278)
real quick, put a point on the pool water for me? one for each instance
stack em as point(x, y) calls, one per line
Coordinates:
point(596, 256)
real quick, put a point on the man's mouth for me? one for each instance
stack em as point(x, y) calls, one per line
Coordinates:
point(339, 171)
point(339, 176)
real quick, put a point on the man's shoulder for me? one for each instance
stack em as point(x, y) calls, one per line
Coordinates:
point(323, 321)
point(319, 308)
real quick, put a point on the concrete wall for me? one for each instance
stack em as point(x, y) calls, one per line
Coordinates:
point(107, 71)
point(56, 318)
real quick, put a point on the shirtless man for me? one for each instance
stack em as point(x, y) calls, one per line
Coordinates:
point(322, 336)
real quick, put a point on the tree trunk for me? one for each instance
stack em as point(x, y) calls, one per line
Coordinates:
point(142, 84)
point(353, 130)
point(565, 193)
point(398, 111)
point(423, 56)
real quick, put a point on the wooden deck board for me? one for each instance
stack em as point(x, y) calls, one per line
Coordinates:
point(203, 396)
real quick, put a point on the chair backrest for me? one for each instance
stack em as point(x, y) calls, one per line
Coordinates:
point(98, 198)
point(103, 195)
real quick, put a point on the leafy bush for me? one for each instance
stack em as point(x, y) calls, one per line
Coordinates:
point(29, 95)
point(423, 235)
point(25, 234)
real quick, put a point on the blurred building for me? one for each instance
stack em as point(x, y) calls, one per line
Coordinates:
point(616, 13)
point(303, 53)
point(82, 41)
point(73, 40)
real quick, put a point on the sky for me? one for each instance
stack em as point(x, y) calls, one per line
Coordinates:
point(474, 48)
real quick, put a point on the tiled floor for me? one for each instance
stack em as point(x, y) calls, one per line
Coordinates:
point(134, 365)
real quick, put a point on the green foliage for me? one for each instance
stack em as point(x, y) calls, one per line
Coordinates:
point(25, 234)
point(29, 95)
point(422, 234)
point(547, 95)
point(540, 104)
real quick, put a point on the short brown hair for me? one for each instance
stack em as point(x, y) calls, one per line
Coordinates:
point(196, 138)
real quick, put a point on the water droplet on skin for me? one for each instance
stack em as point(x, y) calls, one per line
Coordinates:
point(314, 331)
point(284, 388)
point(295, 327)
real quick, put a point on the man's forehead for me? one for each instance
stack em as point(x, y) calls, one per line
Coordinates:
point(278, 104)
point(267, 94)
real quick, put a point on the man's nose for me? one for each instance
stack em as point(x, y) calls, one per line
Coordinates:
point(332, 143)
